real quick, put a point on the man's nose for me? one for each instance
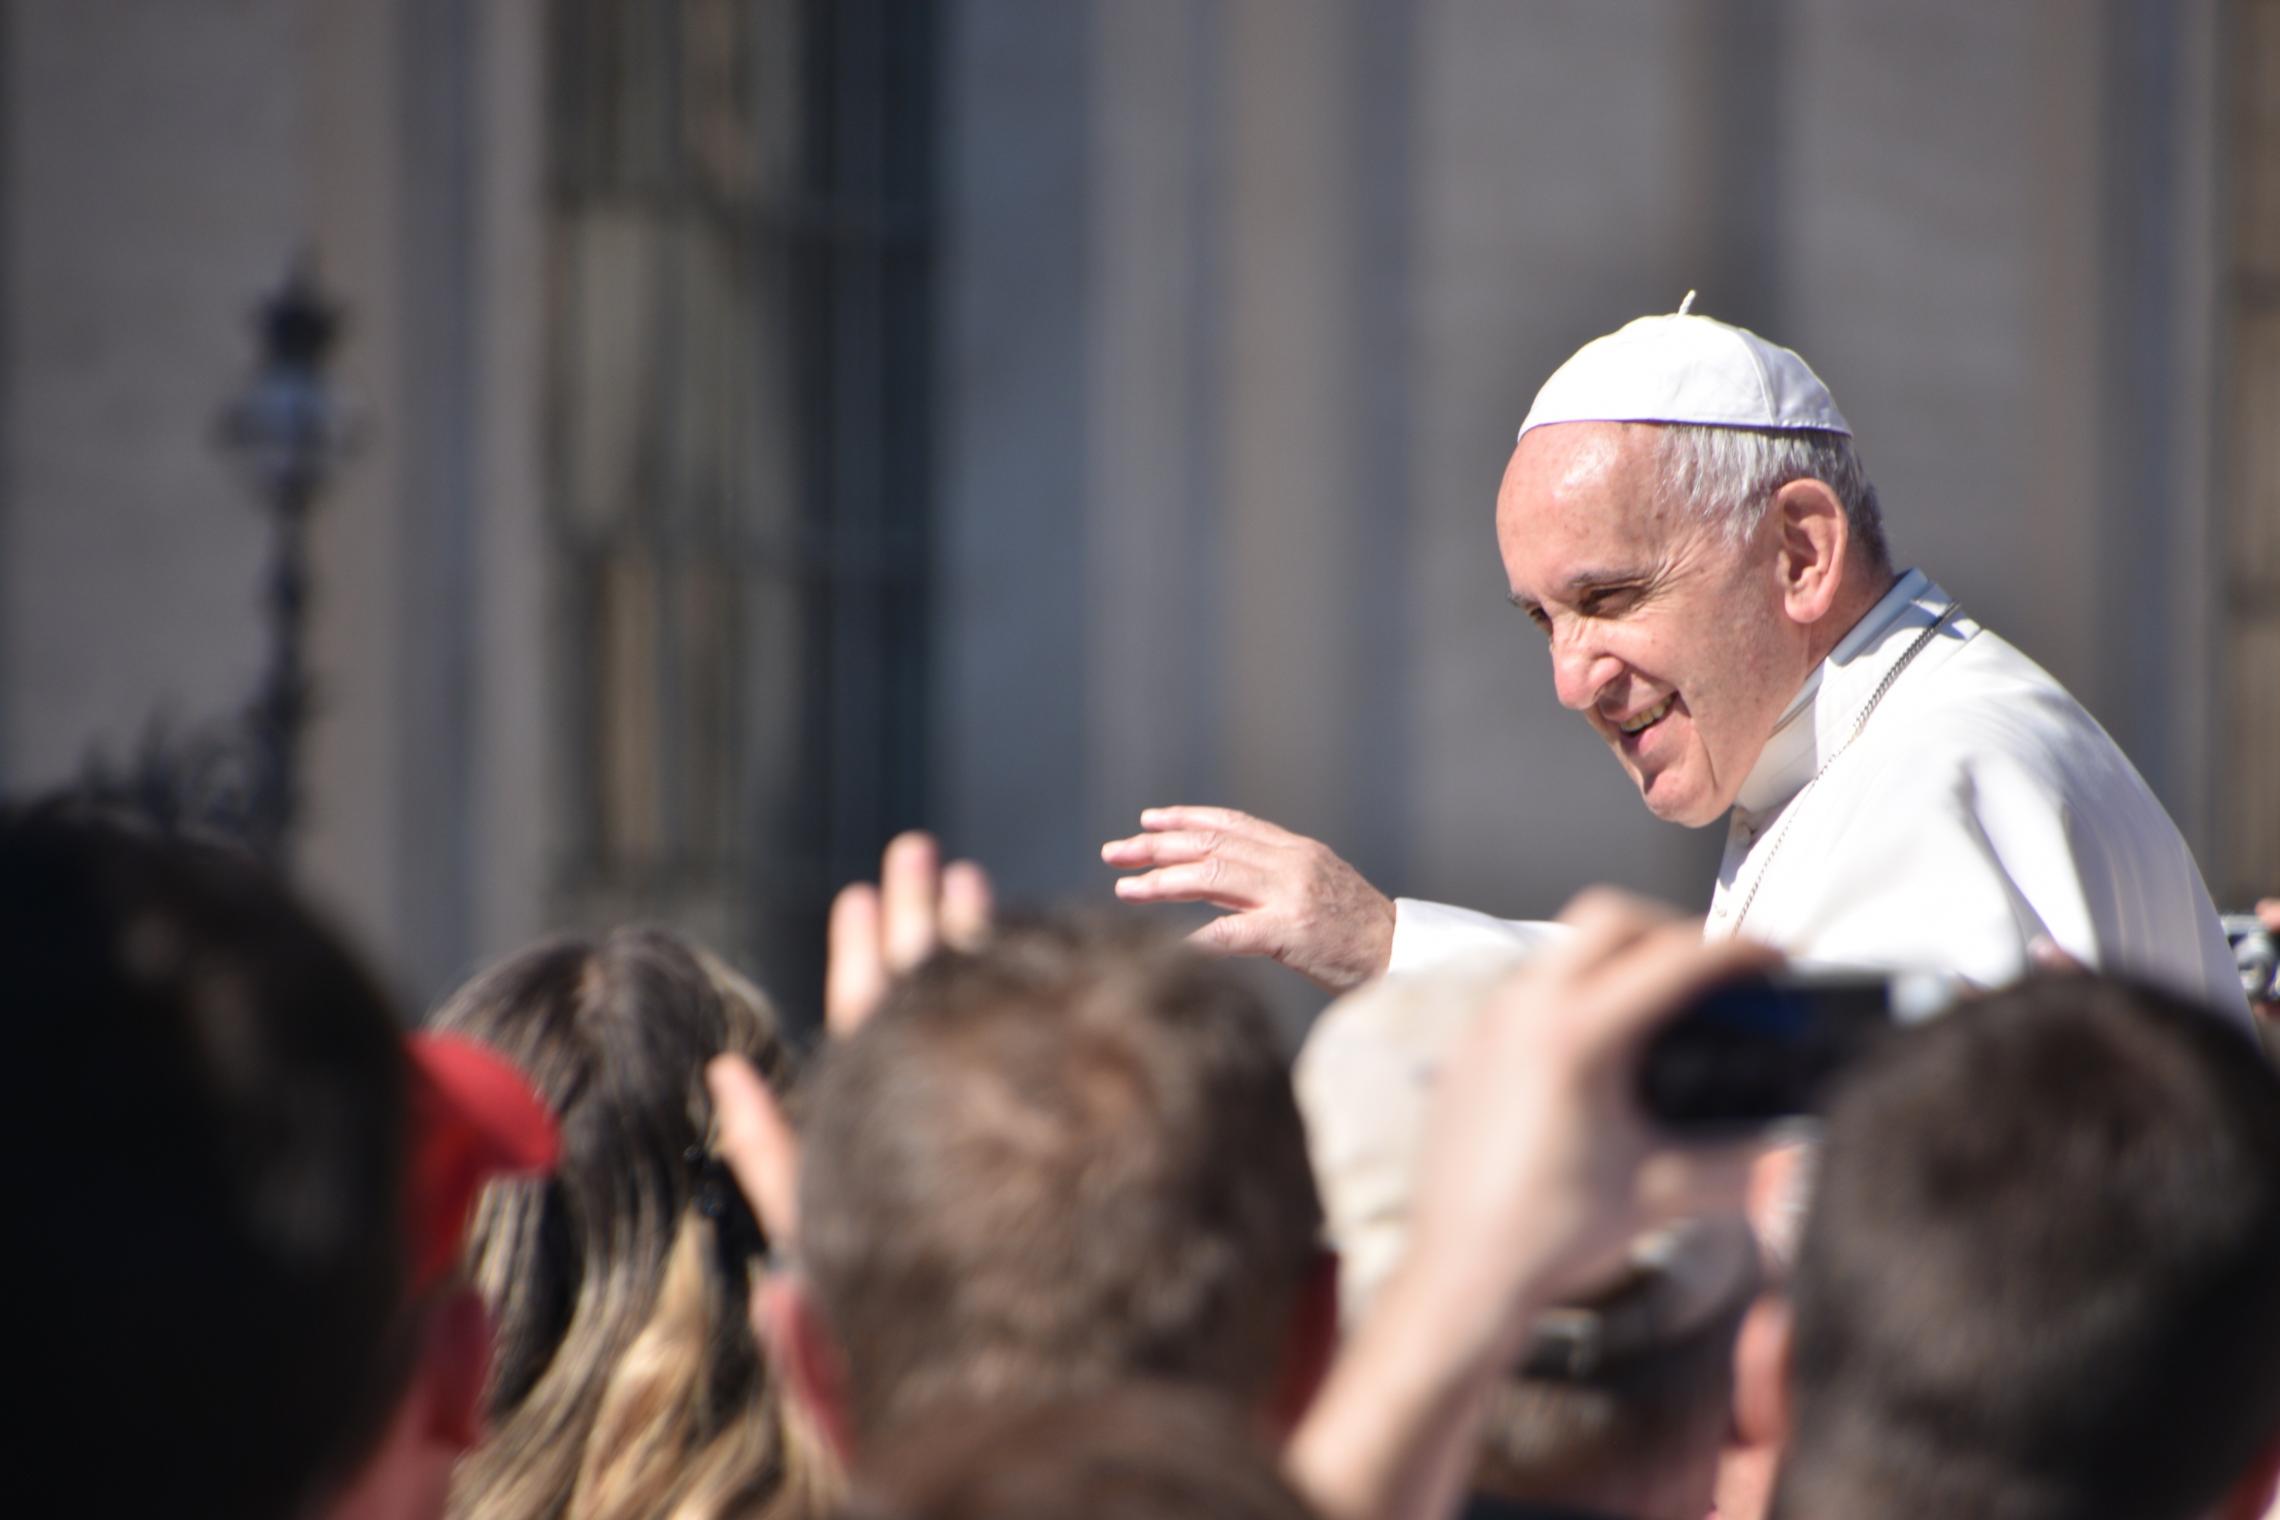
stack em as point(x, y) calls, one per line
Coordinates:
point(1580, 673)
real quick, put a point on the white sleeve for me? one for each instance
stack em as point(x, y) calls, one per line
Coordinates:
point(1429, 934)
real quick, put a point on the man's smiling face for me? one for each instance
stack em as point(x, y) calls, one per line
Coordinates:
point(1672, 642)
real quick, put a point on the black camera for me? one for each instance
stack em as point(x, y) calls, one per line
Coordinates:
point(2256, 954)
point(1762, 1049)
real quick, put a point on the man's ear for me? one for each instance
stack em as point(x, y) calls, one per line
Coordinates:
point(438, 1417)
point(807, 1357)
point(455, 1364)
point(1816, 537)
point(1761, 1373)
point(1308, 1349)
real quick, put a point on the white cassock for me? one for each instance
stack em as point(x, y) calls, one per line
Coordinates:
point(1976, 808)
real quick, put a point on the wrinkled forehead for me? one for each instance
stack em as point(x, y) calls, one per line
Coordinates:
point(1573, 484)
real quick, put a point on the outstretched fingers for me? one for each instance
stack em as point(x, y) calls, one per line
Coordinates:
point(1222, 820)
point(855, 972)
point(968, 905)
point(1169, 834)
point(1291, 897)
point(757, 1143)
point(1219, 880)
point(877, 933)
point(910, 888)
point(1208, 855)
point(1173, 847)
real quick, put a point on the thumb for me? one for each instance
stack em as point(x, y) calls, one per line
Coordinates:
point(758, 1144)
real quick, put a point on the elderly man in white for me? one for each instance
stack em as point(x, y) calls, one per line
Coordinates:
point(1686, 521)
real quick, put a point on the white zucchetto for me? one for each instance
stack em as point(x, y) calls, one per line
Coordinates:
point(1687, 369)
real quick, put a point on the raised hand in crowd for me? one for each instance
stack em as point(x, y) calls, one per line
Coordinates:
point(877, 932)
point(1287, 896)
point(1537, 1172)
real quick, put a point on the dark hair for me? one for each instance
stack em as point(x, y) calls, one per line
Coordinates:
point(626, 1379)
point(2042, 1275)
point(1068, 1158)
point(208, 1094)
point(1137, 1452)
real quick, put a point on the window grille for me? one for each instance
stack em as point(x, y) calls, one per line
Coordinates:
point(737, 298)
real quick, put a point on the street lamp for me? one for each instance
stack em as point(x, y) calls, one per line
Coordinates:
point(287, 433)
point(238, 778)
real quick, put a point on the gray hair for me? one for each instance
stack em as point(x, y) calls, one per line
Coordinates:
point(1729, 475)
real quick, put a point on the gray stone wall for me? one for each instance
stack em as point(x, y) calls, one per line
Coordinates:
point(154, 186)
point(163, 163)
point(1239, 302)
point(1331, 257)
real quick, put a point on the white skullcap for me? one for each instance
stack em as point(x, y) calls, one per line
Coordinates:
point(1682, 368)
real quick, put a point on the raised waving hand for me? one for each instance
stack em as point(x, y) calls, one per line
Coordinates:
point(1287, 896)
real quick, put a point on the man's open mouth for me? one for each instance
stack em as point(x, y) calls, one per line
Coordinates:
point(1649, 718)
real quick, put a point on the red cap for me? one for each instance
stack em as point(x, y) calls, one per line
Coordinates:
point(473, 1117)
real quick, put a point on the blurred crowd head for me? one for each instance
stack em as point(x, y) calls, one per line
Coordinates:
point(2039, 1277)
point(1137, 1451)
point(626, 1377)
point(209, 1104)
point(1069, 1157)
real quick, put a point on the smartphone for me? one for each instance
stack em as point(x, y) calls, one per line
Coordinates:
point(1754, 1052)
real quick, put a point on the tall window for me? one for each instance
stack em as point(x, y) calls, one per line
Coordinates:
point(738, 325)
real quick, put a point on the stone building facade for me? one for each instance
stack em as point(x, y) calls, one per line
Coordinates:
point(788, 421)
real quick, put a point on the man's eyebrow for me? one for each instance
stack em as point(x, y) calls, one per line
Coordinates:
point(1600, 580)
point(1583, 582)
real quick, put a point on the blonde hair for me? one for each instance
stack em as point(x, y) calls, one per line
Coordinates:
point(627, 1381)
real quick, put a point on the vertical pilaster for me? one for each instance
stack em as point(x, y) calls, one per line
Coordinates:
point(2245, 814)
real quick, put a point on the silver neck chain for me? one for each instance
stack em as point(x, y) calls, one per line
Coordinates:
point(1781, 828)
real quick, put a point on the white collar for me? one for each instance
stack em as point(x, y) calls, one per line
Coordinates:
point(1822, 714)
